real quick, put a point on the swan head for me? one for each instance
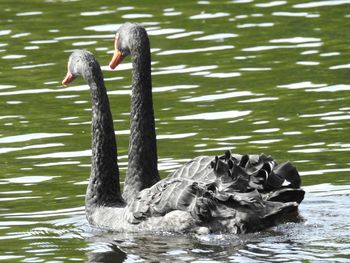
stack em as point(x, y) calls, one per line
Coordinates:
point(80, 62)
point(127, 37)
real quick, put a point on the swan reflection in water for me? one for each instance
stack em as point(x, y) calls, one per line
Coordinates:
point(228, 194)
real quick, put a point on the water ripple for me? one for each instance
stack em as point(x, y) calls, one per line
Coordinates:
point(333, 88)
point(57, 163)
point(104, 28)
point(255, 69)
point(165, 31)
point(301, 85)
point(21, 35)
point(44, 41)
point(31, 136)
point(296, 40)
point(194, 50)
point(222, 74)
point(182, 69)
point(5, 32)
point(34, 66)
point(308, 63)
point(267, 130)
point(220, 36)
point(271, 4)
point(173, 88)
point(204, 15)
point(265, 141)
point(185, 34)
point(123, 8)
point(31, 47)
point(339, 66)
point(175, 136)
point(71, 154)
point(337, 118)
point(13, 56)
point(28, 179)
point(45, 213)
point(32, 13)
point(241, 1)
point(84, 43)
point(321, 3)
point(37, 91)
point(214, 115)
point(325, 171)
point(263, 48)
point(7, 87)
point(248, 25)
point(97, 13)
point(214, 97)
point(29, 147)
point(135, 16)
point(297, 14)
point(110, 36)
point(172, 13)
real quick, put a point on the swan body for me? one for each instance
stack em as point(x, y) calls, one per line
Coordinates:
point(214, 200)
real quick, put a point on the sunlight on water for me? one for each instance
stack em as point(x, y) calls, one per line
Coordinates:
point(204, 15)
point(28, 179)
point(30, 147)
point(175, 136)
point(30, 136)
point(219, 96)
point(59, 155)
point(214, 115)
point(321, 3)
point(184, 51)
point(217, 37)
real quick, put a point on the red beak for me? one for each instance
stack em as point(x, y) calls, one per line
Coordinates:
point(117, 58)
point(68, 79)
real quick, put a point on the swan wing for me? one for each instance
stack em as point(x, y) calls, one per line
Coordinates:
point(242, 173)
point(236, 193)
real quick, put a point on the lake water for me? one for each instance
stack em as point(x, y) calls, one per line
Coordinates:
point(251, 76)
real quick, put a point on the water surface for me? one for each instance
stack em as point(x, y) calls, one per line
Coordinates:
point(249, 76)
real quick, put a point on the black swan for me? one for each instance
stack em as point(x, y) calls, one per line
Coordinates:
point(232, 193)
point(132, 39)
point(236, 177)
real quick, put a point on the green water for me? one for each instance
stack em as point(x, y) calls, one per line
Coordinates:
point(249, 76)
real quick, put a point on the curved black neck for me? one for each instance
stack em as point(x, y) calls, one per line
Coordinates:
point(104, 188)
point(142, 168)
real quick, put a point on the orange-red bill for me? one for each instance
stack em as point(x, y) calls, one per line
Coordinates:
point(68, 79)
point(117, 58)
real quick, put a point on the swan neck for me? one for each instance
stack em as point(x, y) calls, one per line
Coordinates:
point(142, 167)
point(103, 188)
